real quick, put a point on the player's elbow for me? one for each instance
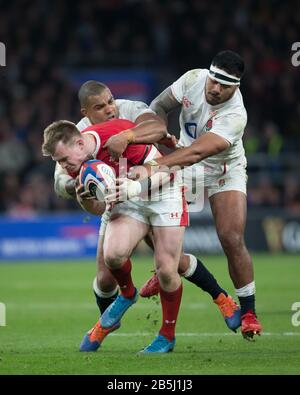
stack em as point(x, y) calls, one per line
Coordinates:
point(158, 108)
point(154, 105)
point(60, 183)
point(57, 188)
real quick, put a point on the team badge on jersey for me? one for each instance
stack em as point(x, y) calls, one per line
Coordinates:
point(208, 125)
point(186, 102)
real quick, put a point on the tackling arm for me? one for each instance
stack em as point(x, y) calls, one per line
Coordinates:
point(206, 145)
point(64, 184)
point(149, 129)
point(157, 172)
point(126, 188)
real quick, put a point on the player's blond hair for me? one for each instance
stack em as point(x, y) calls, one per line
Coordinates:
point(64, 131)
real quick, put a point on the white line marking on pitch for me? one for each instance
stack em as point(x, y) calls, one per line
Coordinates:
point(204, 334)
point(90, 306)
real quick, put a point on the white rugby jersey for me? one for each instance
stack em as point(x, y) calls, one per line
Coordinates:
point(198, 117)
point(128, 109)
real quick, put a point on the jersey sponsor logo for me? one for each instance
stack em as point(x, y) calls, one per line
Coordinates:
point(186, 102)
point(191, 129)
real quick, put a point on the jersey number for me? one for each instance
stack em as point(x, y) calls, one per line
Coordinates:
point(191, 129)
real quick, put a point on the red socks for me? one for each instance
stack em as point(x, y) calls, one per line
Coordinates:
point(170, 302)
point(123, 277)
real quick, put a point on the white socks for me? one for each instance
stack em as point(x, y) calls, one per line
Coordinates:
point(247, 290)
point(102, 294)
point(193, 264)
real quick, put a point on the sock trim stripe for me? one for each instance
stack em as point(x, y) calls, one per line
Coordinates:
point(103, 294)
point(247, 290)
point(193, 264)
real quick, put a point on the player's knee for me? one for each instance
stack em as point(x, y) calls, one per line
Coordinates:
point(115, 259)
point(231, 240)
point(166, 274)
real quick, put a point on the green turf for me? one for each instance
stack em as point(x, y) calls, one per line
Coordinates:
point(50, 306)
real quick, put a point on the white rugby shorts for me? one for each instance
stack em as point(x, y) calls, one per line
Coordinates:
point(158, 213)
point(228, 176)
point(234, 178)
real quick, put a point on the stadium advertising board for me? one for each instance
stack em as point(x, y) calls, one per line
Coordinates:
point(55, 236)
point(76, 235)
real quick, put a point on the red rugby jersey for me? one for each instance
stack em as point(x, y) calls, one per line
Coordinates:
point(135, 154)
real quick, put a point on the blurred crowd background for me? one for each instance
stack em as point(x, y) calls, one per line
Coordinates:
point(48, 40)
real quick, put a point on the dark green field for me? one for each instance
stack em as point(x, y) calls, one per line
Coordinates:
point(50, 306)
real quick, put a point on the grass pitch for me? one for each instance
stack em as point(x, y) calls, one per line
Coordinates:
point(50, 306)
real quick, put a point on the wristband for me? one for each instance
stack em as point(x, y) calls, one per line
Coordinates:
point(151, 162)
point(130, 137)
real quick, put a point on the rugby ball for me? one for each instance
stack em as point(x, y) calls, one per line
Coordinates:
point(97, 178)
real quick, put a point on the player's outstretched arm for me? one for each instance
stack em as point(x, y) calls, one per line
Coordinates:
point(149, 129)
point(206, 145)
point(142, 185)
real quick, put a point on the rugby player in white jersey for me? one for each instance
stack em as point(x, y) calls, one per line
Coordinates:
point(212, 122)
point(98, 105)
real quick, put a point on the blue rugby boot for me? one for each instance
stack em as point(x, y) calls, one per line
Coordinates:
point(115, 311)
point(159, 345)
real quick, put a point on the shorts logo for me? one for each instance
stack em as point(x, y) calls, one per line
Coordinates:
point(186, 102)
point(221, 182)
point(174, 215)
